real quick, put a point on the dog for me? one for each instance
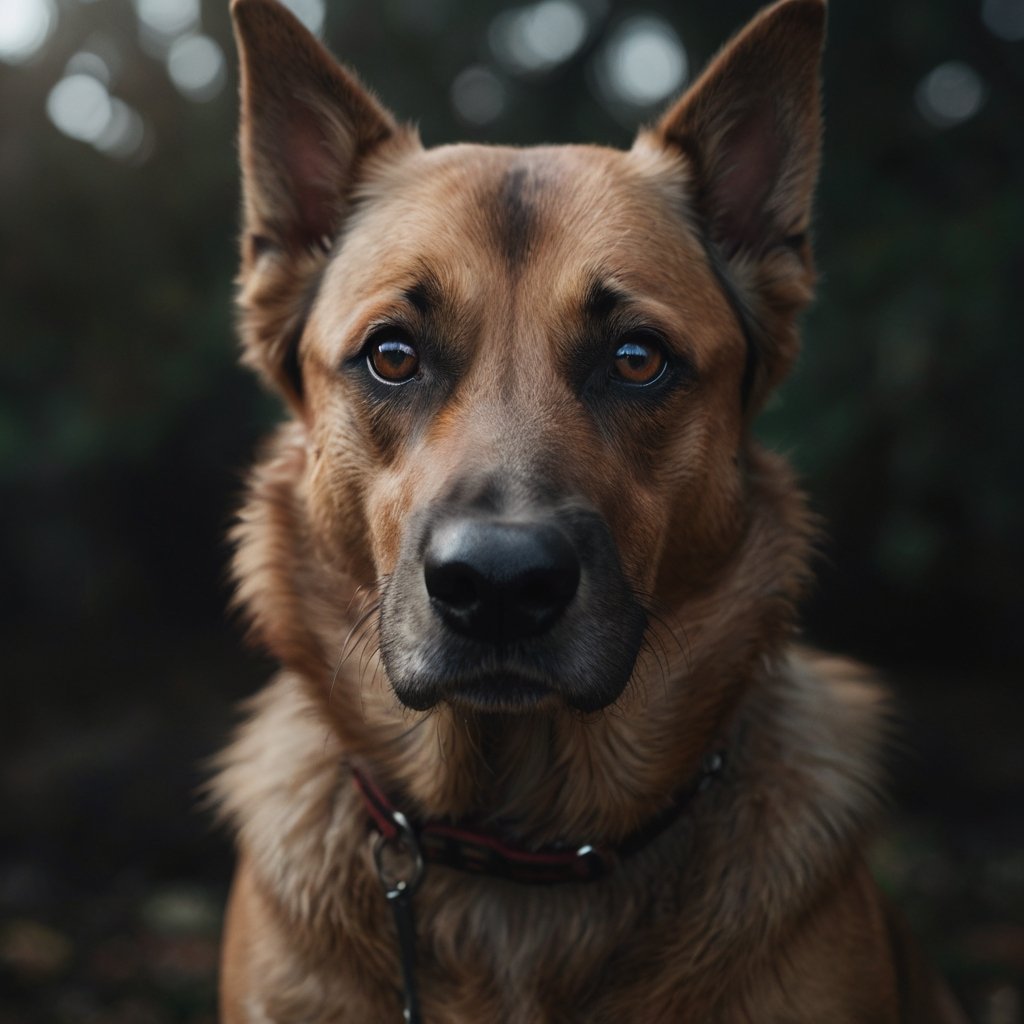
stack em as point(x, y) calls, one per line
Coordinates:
point(543, 747)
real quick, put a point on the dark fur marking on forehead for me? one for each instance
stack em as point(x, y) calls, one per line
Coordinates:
point(514, 218)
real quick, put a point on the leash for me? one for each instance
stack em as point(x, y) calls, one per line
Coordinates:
point(400, 868)
point(402, 851)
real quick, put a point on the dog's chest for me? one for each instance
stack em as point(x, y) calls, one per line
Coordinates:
point(490, 950)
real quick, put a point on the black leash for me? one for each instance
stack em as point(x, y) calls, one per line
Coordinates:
point(400, 869)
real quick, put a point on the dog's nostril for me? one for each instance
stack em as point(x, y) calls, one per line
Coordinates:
point(452, 583)
point(498, 581)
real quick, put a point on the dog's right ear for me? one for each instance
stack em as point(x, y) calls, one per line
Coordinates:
point(749, 130)
point(306, 126)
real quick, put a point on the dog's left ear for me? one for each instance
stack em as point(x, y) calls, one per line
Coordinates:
point(750, 129)
point(307, 129)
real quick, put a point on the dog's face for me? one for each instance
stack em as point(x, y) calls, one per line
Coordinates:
point(525, 377)
point(503, 361)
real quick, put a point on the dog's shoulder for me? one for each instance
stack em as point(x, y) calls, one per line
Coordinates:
point(813, 739)
point(804, 790)
point(277, 786)
point(829, 710)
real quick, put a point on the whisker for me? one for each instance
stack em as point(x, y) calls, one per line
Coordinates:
point(656, 651)
point(661, 616)
point(364, 595)
point(369, 644)
point(401, 738)
point(357, 630)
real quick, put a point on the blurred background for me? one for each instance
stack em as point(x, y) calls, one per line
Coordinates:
point(125, 429)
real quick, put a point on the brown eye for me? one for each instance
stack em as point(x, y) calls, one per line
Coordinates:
point(638, 362)
point(393, 360)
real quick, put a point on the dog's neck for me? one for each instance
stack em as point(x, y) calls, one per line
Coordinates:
point(478, 848)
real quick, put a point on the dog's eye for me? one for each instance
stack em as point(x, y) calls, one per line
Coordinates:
point(638, 361)
point(393, 360)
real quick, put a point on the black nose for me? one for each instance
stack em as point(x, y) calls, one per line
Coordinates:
point(500, 581)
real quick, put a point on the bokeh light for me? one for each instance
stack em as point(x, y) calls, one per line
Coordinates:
point(538, 37)
point(1004, 18)
point(950, 94)
point(25, 25)
point(310, 12)
point(86, 62)
point(197, 67)
point(124, 136)
point(162, 21)
point(642, 63)
point(478, 95)
point(79, 106)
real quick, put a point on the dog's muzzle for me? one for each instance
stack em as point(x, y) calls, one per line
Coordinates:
point(509, 611)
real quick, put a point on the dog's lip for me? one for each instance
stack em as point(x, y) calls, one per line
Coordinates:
point(500, 692)
point(507, 690)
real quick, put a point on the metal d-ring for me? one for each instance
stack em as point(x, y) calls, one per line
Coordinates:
point(404, 841)
point(592, 862)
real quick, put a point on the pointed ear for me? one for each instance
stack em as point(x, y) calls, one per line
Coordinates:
point(750, 131)
point(306, 122)
point(751, 125)
point(306, 127)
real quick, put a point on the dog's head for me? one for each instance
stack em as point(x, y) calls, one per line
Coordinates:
point(522, 379)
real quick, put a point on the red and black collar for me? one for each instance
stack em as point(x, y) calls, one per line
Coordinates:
point(467, 846)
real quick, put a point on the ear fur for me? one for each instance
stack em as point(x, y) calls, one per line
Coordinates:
point(306, 126)
point(750, 129)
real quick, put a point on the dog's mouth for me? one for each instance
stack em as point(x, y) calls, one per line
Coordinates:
point(504, 693)
point(509, 688)
point(498, 689)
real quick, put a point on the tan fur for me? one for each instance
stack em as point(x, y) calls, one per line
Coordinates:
point(756, 906)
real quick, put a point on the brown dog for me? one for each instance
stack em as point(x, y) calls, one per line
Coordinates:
point(531, 579)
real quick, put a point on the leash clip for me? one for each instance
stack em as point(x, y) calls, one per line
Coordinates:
point(398, 859)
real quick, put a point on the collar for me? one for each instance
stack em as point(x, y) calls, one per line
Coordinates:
point(466, 846)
